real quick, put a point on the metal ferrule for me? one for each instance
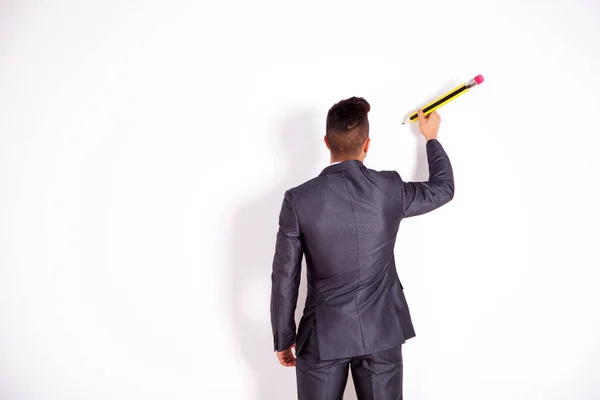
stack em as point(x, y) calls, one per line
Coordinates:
point(471, 83)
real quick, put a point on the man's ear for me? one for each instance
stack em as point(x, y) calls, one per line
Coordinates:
point(366, 146)
point(326, 142)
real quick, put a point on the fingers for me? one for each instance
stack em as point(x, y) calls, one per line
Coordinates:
point(288, 362)
point(287, 358)
point(425, 117)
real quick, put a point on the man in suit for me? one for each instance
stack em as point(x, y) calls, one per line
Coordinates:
point(345, 223)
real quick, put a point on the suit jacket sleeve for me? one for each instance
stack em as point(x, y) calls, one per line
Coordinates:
point(421, 197)
point(285, 278)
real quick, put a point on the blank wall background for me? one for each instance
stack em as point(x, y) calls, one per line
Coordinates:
point(145, 148)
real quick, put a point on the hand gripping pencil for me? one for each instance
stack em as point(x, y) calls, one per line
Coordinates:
point(445, 98)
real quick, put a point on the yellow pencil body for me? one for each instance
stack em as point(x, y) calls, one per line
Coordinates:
point(445, 102)
point(445, 98)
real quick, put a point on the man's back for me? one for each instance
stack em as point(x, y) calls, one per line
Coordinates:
point(347, 220)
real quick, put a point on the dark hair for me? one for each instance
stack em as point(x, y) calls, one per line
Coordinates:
point(348, 126)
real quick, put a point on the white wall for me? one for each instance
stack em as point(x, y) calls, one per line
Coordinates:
point(145, 149)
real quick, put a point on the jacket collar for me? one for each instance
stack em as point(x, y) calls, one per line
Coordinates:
point(332, 169)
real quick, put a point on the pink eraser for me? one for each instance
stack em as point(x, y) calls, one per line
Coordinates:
point(478, 79)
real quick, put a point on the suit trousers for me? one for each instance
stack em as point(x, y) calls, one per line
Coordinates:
point(376, 376)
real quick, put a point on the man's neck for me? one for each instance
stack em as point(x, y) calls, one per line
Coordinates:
point(341, 160)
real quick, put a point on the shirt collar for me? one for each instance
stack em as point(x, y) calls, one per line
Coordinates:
point(340, 166)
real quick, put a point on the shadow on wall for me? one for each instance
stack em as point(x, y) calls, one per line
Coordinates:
point(251, 250)
point(421, 169)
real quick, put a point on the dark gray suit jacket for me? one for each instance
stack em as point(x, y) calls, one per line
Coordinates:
point(345, 223)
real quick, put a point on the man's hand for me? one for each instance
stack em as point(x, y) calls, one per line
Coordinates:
point(429, 125)
point(287, 357)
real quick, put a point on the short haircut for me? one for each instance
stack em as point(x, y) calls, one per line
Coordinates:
point(348, 126)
